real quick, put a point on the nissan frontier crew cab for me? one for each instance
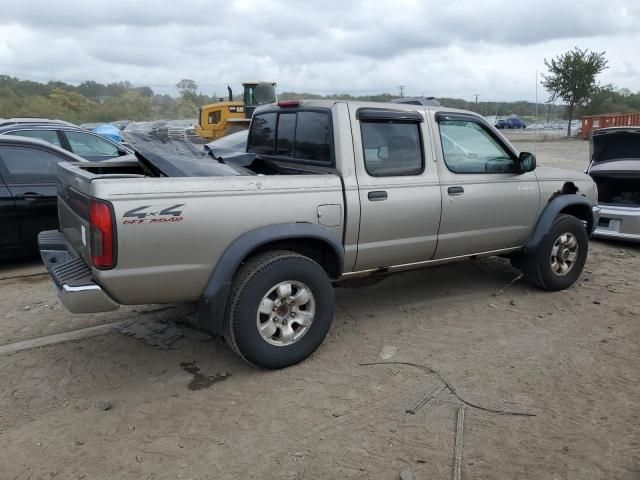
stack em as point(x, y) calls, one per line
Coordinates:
point(326, 190)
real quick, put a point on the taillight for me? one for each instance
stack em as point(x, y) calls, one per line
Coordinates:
point(103, 254)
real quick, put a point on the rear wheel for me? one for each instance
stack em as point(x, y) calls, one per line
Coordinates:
point(280, 310)
point(559, 259)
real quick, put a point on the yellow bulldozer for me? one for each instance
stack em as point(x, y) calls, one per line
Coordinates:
point(222, 118)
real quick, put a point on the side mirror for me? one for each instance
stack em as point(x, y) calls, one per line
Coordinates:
point(383, 153)
point(122, 151)
point(526, 162)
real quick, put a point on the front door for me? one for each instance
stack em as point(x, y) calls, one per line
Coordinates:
point(486, 204)
point(398, 188)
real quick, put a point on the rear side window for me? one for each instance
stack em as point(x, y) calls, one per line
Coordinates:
point(22, 165)
point(87, 145)
point(392, 148)
point(301, 135)
point(50, 136)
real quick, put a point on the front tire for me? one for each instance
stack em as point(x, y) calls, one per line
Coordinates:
point(558, 261)
point(280, 310)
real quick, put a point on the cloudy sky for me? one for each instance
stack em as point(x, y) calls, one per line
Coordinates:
point(454, 48)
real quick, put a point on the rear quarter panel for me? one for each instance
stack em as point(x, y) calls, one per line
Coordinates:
point(171, 231)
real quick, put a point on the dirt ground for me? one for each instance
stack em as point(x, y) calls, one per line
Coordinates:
point(184, 407)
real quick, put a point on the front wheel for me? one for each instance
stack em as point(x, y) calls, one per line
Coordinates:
point(280, 310)
point(558, 261)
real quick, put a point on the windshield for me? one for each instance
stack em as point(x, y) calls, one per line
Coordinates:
point(260, 94)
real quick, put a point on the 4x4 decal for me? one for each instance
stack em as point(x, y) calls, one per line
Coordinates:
point(153, 214)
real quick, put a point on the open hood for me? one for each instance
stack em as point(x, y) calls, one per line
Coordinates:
point(179, 158)
point(613, 144)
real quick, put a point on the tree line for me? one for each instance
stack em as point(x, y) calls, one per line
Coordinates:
point(91, 101)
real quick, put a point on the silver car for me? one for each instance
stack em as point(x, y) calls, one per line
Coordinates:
point(615, 168)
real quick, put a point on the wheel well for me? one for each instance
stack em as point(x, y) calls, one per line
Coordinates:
point(319, 251)
point(583, 212)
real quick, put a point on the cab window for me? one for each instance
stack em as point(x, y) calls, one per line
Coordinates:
point(392, 148)
point(468, 147)
point(303, 136)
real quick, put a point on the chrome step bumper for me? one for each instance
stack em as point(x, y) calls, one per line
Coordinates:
point(71, 276)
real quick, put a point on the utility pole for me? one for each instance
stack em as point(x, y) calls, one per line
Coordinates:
point(477, 95)
point(402, 90)
point(536, 96)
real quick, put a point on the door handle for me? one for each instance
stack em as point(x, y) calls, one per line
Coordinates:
point(32, 196)
point(377, 195)
point(455, 191)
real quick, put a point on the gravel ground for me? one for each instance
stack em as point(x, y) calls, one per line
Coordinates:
point(177, 404)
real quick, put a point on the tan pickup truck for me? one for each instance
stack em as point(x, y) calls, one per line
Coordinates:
point(326, 190)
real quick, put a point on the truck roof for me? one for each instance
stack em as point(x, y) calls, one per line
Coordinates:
point(381, 105)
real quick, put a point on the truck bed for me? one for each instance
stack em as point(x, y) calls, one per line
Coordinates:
point(175, 228)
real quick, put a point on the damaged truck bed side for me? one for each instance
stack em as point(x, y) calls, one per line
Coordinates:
point(615, 167)
point(327, 190)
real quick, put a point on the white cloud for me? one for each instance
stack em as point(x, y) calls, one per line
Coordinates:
point(460, 48)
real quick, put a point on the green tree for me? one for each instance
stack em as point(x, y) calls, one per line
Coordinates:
point(572, 77)
point(187, 85)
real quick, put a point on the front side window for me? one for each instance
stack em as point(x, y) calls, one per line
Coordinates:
point(50, 136)
point(469, 148)
point(392, 148)
point(87, 145)
point(23, 165)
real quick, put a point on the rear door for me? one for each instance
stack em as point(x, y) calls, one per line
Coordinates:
point(398, 187)
point(9, 222)
point(90, 146)
point(30, 175)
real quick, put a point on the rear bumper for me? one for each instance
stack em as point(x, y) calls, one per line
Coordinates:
point(71, 276)
point(618, 222)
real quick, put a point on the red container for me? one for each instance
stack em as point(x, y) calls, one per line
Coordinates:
point(593, 122)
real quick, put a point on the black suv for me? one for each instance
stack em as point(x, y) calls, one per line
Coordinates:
point(28, 200)
point(88, 145)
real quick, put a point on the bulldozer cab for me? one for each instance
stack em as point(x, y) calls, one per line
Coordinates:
point(257, 94)
point(224, 117)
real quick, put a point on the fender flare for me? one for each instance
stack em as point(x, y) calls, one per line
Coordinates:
point(552, 210)
point(211, 307)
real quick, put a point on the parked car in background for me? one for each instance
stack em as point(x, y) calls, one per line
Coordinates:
point(502, 123)
point(88, 145)
point(614, 165)
point(516, 123)
point(28, 192)
point(20, 120)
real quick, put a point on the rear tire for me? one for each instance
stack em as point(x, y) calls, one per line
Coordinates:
point(280, 309)
point(558, 261)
